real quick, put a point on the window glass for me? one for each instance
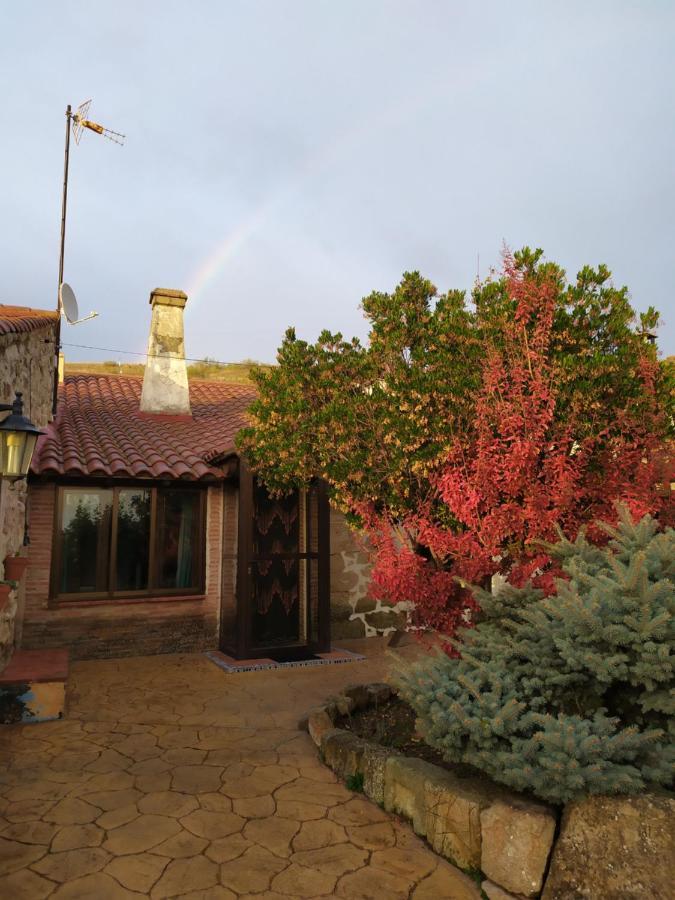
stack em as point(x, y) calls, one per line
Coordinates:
point(177, 538)
point(133, 539)
point(85, 526)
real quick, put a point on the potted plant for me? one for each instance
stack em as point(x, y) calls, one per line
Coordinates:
point(15, 566)
point(5, 588)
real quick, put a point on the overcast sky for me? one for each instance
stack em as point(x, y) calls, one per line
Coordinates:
point(285, 158)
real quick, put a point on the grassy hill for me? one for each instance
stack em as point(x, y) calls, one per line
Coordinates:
point(206, 370)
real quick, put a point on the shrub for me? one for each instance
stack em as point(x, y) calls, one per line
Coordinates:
point(568, 694)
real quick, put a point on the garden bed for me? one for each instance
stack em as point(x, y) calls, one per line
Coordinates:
point(392, 724)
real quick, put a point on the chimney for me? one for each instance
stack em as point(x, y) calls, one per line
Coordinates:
point(165, 383)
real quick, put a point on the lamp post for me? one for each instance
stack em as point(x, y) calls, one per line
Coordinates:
point(18, 437)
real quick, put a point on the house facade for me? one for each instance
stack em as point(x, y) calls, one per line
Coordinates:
point(27, 355)
point(148, 533)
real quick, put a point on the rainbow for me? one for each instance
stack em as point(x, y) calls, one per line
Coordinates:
point(398, 112)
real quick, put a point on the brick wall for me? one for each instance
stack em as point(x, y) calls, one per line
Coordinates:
point(26, 365)
point(109, 629)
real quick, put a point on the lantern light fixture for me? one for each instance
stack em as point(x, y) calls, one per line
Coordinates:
point(18, 437)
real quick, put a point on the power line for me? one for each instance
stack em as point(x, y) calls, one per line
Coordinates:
point(208, 362)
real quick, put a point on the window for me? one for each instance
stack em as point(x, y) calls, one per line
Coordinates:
point(128, 542)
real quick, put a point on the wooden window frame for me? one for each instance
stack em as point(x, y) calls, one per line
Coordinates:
point(152, 592)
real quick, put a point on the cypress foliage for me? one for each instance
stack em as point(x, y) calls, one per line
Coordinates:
point(568, 694)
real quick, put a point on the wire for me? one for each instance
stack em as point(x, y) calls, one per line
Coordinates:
point(208, 362)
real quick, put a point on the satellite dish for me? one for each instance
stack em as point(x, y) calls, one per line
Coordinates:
point(68, 305)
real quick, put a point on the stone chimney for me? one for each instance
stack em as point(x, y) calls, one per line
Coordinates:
point(165, 383)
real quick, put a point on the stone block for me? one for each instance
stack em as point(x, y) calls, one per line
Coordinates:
point(359, 694)
point(616, 848)
point(318, 722)
point(405, 788)
point(344, 705)
point(453, 808)
point(516, 840)
point(343, 752)
point(373, 762)
point(494, 892)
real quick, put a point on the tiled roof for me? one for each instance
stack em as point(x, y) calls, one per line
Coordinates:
point(18, 319)
point(100, 431)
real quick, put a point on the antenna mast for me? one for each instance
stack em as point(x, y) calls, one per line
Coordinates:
point(79, 121)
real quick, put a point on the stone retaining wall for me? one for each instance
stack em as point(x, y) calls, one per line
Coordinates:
point(609, 848)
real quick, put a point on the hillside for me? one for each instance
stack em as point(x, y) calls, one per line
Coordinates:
point(207, 370)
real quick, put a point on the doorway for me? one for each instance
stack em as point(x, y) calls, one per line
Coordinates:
point(283, 577)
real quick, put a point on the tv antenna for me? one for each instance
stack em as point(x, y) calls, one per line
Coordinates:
point(78, 121)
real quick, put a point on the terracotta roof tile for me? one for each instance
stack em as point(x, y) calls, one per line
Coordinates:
point(100, 431)
point(18, 319)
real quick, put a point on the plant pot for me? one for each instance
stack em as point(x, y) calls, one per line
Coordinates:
point(4, 594)
point(15, 566)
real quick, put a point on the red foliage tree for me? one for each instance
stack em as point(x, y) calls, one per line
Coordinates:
point(520, 472)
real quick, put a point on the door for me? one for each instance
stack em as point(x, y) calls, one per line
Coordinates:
point(283, 583)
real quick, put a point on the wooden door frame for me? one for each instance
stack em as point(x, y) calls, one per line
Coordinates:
point(241, 645)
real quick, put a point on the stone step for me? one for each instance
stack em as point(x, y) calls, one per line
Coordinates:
point(33, 686)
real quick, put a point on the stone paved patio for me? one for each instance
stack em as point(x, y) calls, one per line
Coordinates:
point(170, 778)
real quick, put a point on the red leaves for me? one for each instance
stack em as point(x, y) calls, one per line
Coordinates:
point(519, 472)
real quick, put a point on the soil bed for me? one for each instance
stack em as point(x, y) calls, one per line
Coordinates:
point(392, 724)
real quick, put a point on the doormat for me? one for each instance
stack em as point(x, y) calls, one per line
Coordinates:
point(333, 657)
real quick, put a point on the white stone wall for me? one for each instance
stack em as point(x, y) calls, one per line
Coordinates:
point(26, 365)
point(353, 613)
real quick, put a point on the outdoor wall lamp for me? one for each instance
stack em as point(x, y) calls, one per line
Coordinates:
point(18, 437)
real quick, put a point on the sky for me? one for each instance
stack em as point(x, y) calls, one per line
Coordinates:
point(284, 158)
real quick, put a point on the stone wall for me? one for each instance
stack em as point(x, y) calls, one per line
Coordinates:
point(26, 365)
point(353, 613)
point(118, 628)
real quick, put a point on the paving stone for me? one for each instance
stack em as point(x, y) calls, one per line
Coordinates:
point(143, 833)
point(323, 833)
point(109, 800)
point(71, 864)
point(184, 756)
point(168, 803)
point(299, 810)
point(299, 881)
point(72, 811)
point(357, 811)
point(137, 872)
point(447, 881)
point(273, 833)
point(14, 855)
point(372, 884)
point(209, 824)
point(372, 837)
point(30, 832)
point(218, 892)
point(154, 783)
point(214, 802)
point(333, 860)
point(25, 885)
point(29, 810)
point(410, 864)
point(73, 837)
point(252, 871)
point(181, 845)
point(94, 887)
point(227, 848)
point(117, 817)
point(182, 875)
point(196, 779)
point(255, 807)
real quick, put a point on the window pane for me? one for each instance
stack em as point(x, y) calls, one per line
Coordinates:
point(133, 539)
point(85, 526)
point(178, 537)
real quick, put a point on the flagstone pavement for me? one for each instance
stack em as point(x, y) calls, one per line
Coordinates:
point(170, 778)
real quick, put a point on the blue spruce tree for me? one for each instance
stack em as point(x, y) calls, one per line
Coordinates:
point(570, 694)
